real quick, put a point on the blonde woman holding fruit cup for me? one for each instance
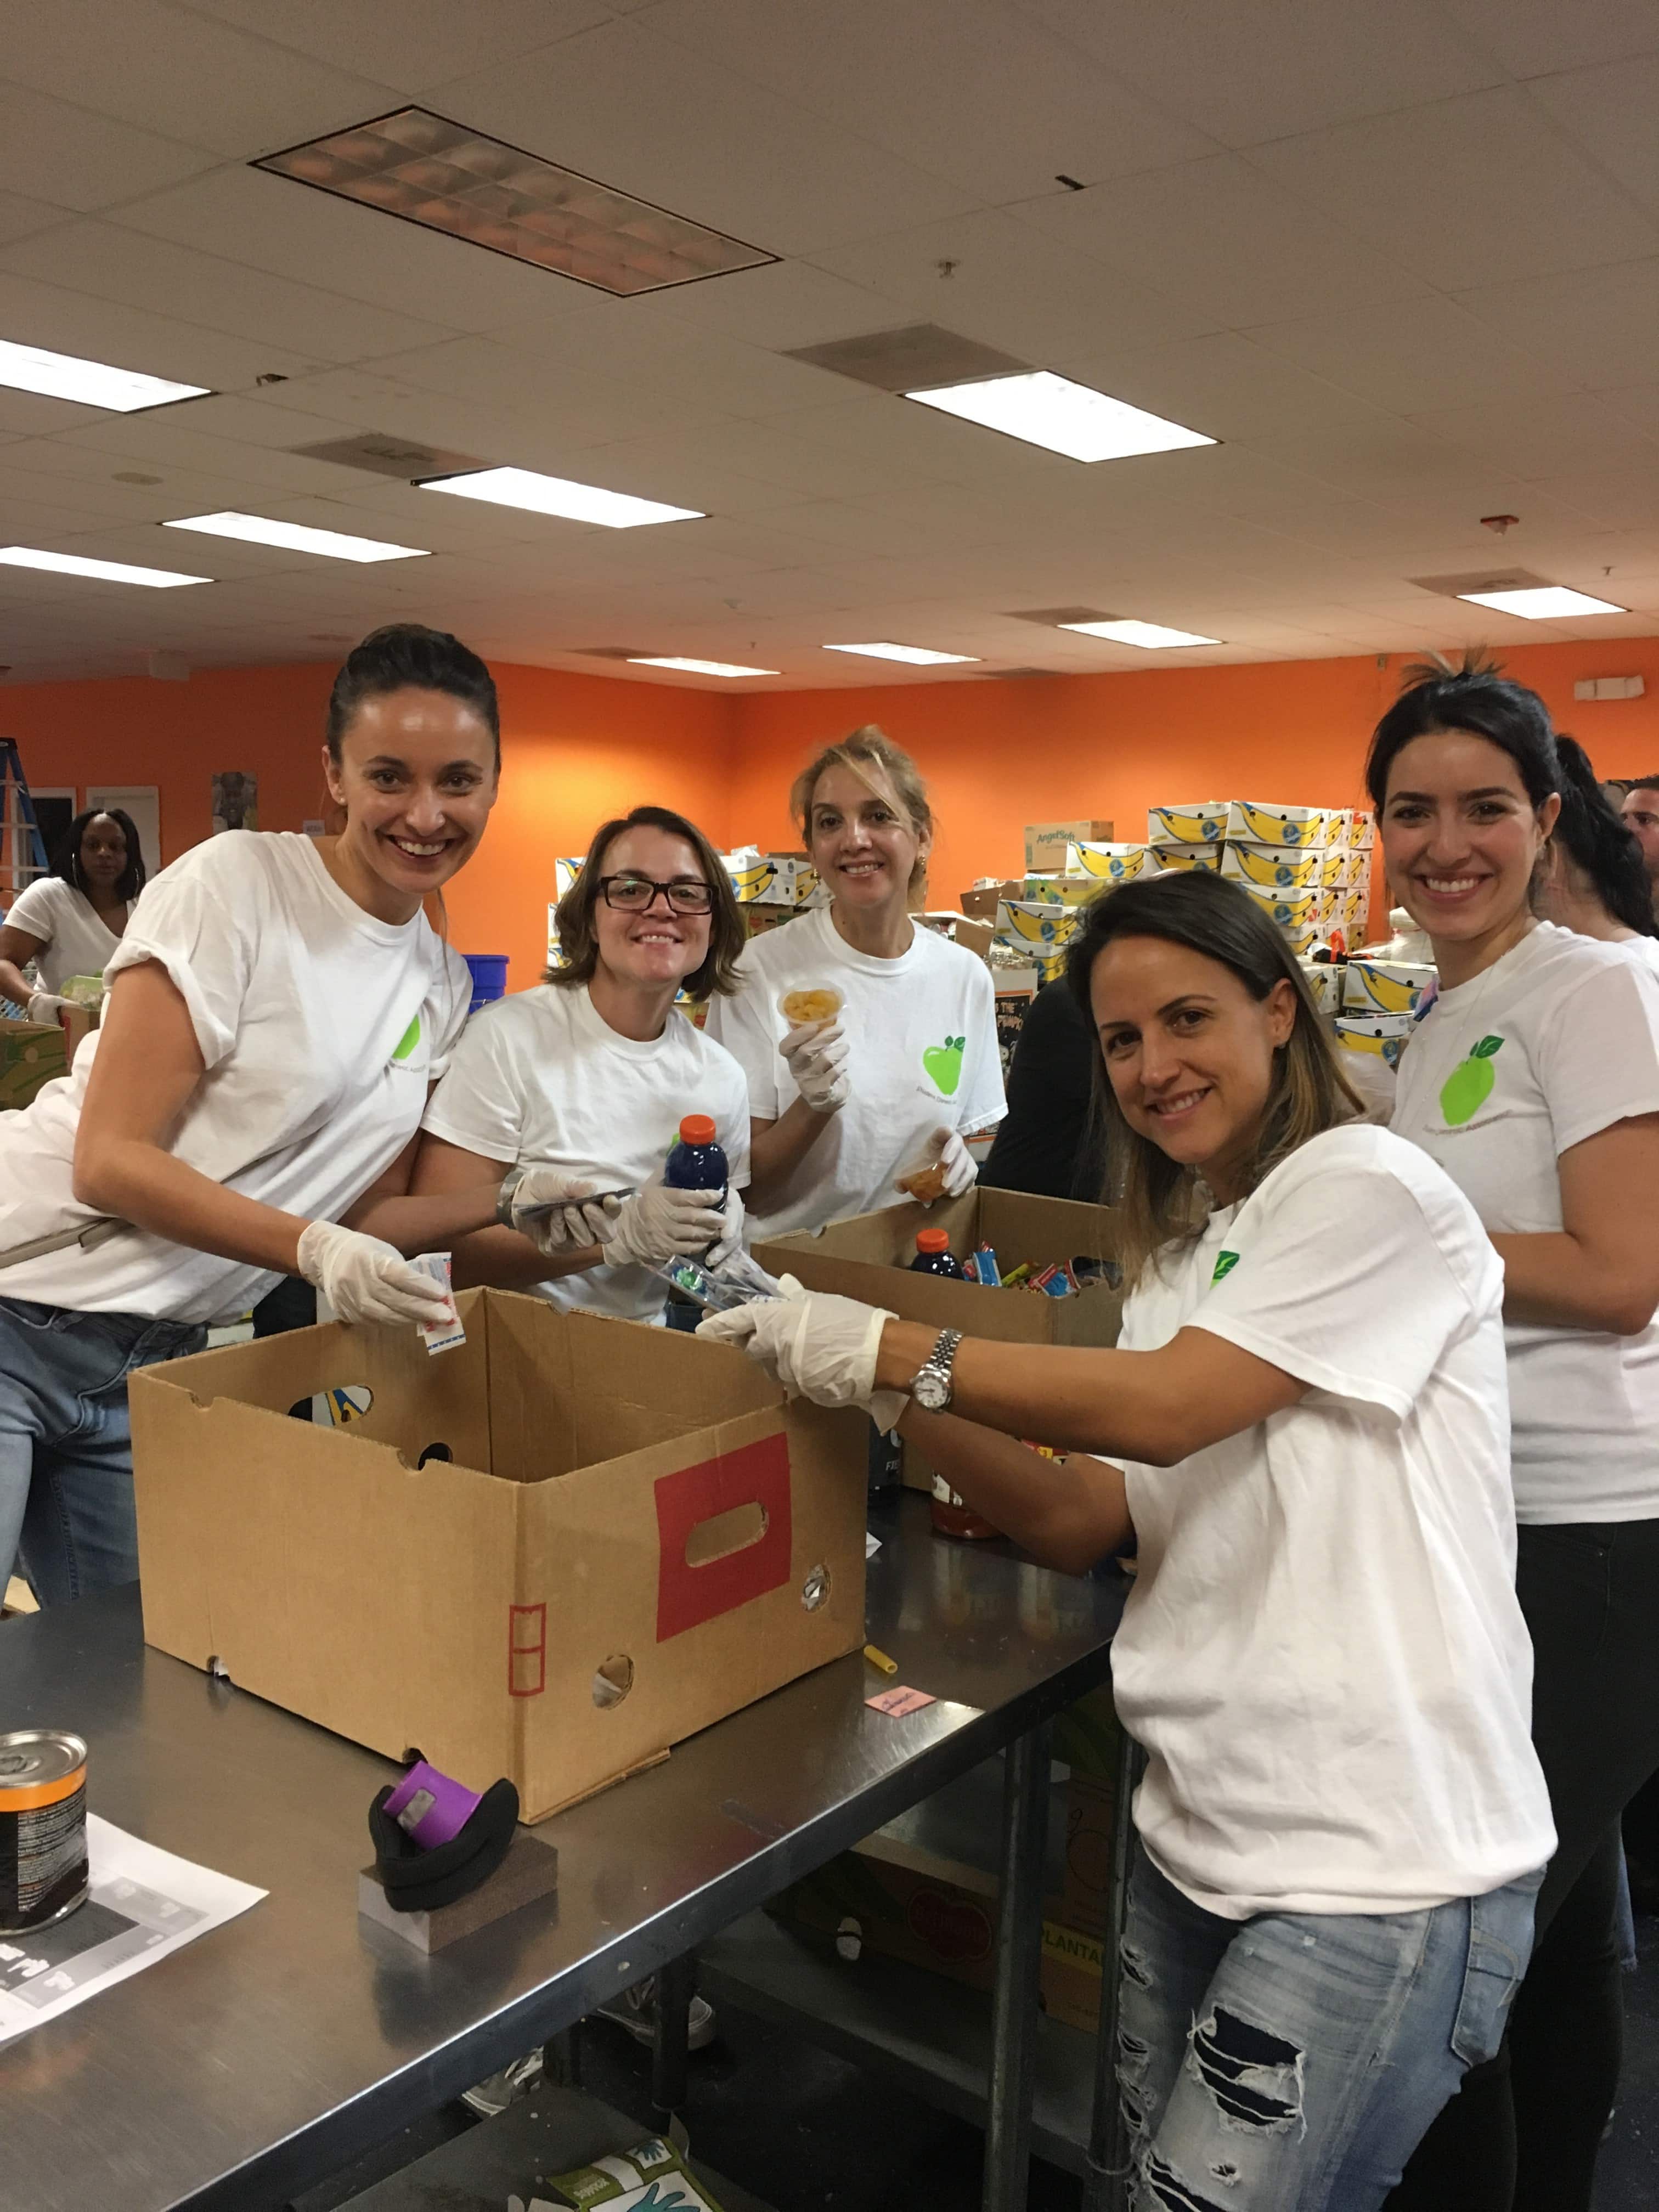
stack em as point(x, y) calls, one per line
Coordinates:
point(907, 1066)
point(1534, 1082)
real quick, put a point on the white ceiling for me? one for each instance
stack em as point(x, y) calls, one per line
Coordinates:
point(1400, 256)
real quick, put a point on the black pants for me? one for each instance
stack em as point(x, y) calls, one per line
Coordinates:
point(1522, 2134)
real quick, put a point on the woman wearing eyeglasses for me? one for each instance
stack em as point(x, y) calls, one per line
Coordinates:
point(586, 1080)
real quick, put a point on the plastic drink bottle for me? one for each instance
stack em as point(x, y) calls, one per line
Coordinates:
point(697, 1163)
point(934, 1256)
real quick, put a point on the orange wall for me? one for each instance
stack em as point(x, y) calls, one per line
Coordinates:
point(574, 750)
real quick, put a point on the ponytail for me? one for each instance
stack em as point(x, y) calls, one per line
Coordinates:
point(1593, 836)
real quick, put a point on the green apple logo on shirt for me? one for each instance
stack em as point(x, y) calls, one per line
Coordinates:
point(1469, 1085)
point(409, 1039)
point(944, 1063)
point(1225, 1264)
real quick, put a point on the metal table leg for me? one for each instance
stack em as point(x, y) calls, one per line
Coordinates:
point(1018, 1964)
point(676, 1982)
point(1107, 2187)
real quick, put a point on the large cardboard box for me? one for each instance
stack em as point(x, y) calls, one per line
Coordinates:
point(32, 1055)
point(1046, 842)
point(550, 1554)
point(981, 903)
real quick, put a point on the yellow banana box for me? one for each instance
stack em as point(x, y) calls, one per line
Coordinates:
point(1114, 864)
point(1184, 856)
point(1272, 867)
point(1034, 925)
point(1204, 822)
point(1324, 982)
point(1290, 909)
point(1384, 1034)
point(1363, 836)
point(1385, 986)
point(1062, 890)
point(751, 875)
point(1307, 937)
point(1258, 825)
point(565, 873)
point(794, 881)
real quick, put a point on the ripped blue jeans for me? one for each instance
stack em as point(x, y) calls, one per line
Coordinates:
point(1290, 2063)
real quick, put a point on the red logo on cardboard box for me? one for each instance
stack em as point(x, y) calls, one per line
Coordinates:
point(948, 1926)
point(526, 1650)
point(758, 1474)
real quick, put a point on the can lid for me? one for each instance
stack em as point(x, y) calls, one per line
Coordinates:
point(933, 1240)
point(33, 1756)
point(696, 1129)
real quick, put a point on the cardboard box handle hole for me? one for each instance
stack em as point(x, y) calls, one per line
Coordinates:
point(612, 1681)
point(722, 1534)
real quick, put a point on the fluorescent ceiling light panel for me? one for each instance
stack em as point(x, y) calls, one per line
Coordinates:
point(1151, 637)
point(576, 503)
point(89, 383)
point(1543, 602)
point(446, 177)
point(918, 655)
point(295, 538)
point(1073, 419)
point(103, 572)
point(695, 667)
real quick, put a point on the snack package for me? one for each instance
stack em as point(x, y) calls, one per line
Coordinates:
point(820, 1003)
point(738, 1281)
point(444, 1335)
point(653, 2174)
point(924, 1184)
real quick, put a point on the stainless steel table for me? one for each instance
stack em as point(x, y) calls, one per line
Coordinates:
point(260, 2059)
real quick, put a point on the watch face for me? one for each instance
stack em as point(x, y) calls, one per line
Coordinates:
point(931, 1391)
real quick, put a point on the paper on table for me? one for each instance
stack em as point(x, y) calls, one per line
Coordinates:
point(872, 1544)
point(144, 1903)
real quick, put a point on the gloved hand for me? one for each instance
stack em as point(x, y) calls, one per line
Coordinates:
point(731, 1237)
point(818, 1345)
point(364, 1280)
point(814, 1053)
point(47, 1006)
point(956, 1162)
point(663, 1223)
point(547, 1206)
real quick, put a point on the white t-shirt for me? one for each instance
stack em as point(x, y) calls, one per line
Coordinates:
point(1322, 1652)
point(923, 1039)
point(321, 1028)
point(73, 940)
point(541, 1077)
point(1571, 1028)
point(1643, 949)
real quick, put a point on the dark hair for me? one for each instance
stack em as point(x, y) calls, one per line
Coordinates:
point(408, 656)
point(1592, 835)
point(1439, 698)
point(66, 861)
point(1640, 783)
point(1153, 1194)
point(578, 937)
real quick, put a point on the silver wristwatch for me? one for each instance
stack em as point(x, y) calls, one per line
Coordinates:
point(932, 1384)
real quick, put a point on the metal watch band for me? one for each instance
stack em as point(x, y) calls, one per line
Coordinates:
point(940, 1360)
point(505, 1196)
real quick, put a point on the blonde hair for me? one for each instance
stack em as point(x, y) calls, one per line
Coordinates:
point(885, 769)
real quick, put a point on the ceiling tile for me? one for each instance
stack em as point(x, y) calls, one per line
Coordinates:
point(52, 151)
point(1540, 438)
point(417, 44)
point(1609, 113)
point(21, 218)
point(1599, 326)
point(1530, 37)
point(1481, 183)
point(782, 306)
point(1222, 384)
point(1432, 353)
point(133, 337)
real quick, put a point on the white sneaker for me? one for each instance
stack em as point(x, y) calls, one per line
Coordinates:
point(492, 2096)
point(636, 2012)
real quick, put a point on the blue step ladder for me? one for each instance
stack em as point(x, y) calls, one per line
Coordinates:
point(22, 848)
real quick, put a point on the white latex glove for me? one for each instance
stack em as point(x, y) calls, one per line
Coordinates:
point(365, 1279)
point(547, 1206)
point(814, 1053)
point(663, 1223)
point(731, 1237)
point(818, 1345)
point(960, 1169)
point(47, 1006)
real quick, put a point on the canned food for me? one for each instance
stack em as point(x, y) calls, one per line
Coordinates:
point(43, 1828)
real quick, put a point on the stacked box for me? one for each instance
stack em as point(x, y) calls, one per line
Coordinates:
point(1276, 868)
point(1202, 822)
point(1035, 927)
point(1385, 986)
point(1046, 842)
point(1383, 1034)
point(32, 1055)
point(1165, 857)
point(794, 881)
point(1114, 864)
point(1062, 890)
point(1301, 826)
point(752, 876)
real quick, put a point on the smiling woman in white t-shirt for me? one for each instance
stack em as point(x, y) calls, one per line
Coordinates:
point(277, 1010)
point(1534, 1081)
point(589, 1077)
point(70, 921)
point(1343, 1823)
point(909, 1065)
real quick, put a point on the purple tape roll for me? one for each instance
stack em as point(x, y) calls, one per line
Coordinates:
point(429, 1808)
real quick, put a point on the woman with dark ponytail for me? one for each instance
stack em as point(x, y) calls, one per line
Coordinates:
point(1592, 877)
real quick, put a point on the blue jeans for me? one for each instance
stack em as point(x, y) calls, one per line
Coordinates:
point(1290, 2063)
point(65, 1447)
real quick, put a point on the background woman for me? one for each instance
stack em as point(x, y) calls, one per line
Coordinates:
point(69, 922)
point(591, 1075)
point(1533, 1080)
point(1592, 877)
point(909, 1066)
point(276, 1011)
point(1342, 1820)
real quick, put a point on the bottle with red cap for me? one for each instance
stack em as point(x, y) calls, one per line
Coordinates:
point(698, 1161)
point(933, 1256)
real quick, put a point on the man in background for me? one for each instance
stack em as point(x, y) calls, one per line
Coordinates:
point(1641, 813)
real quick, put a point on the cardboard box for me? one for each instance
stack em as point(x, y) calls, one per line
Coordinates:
point(1382, 1035)
point(753, 876)
point(1185, 856)
point(1063, 890)
point(794, 881)
point(1035, 927)
point(1203, 822)
point(31, 1055)
point(1385, 986)
point(620, 1508)
point(1293, 910)
point(1069, 1987)
point(1112, 864)
point(1300, 826)
point(1046, 842)
point(1090, 1838)
point(981, 903)
point(1088, 1735)
point(1272, 867)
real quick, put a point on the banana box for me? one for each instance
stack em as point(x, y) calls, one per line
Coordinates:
point(1384, 1034)
point(1385, 986)
point(1113, 864)
point(1202, 824)
point(1324, 981)
point(1184, 856)
point(1291, 909)
point(795, 881)
point(1034, 925)
point(1307, 937)
point(1363, 836)
point(1334, 864)
point(752, 874)
point(1062, 890)
point(1301, 826)
point(565, 873)
point(1273, 868)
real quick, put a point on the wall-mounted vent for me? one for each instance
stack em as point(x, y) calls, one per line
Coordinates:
point(447, 177)
point(915, 358)
point(383, 455)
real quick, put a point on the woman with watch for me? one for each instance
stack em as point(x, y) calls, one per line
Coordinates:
point(1343, 1823)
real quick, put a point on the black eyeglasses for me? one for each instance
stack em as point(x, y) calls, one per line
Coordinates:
point(634, 894)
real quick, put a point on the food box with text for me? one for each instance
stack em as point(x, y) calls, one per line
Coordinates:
point(1046, 842)
point(550, 1554)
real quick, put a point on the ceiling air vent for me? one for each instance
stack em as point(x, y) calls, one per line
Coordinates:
point(1052, 617)
point(383, 455)
point(913, 359)
point(1481, 579)
point(1010, 675)
point(447, 177)
point(611, 652)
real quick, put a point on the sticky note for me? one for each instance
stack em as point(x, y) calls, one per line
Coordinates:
point(897, 1703)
